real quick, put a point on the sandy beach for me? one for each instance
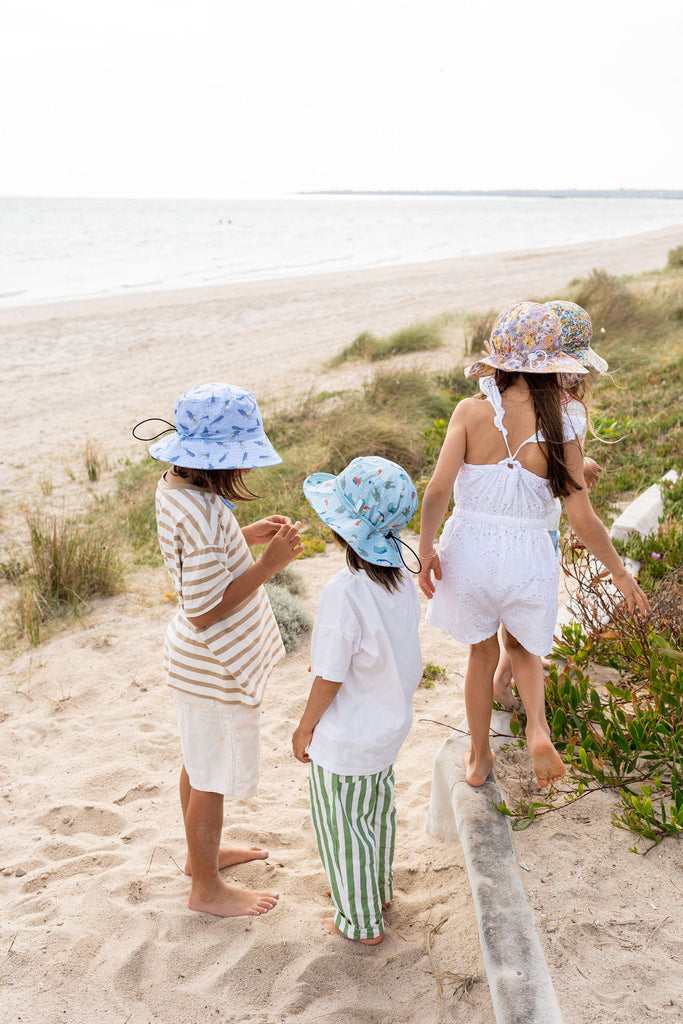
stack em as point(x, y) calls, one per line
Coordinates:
point(94, 925)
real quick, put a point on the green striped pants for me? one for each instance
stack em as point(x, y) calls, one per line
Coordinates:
point(354, 820)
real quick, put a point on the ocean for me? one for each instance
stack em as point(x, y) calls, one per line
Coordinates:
point(53, 248)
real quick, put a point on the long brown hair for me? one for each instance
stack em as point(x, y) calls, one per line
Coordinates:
point(546, 394)
point(388, 575)
point(227, 483)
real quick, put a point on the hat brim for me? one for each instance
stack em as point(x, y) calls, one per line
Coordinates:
point(554, 364)
point(369, 543)
point(595, 362)
point(198, 454)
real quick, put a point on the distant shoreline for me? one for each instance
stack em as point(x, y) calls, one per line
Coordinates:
point(509, 193)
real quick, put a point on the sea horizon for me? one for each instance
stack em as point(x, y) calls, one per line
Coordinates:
point(62, 248)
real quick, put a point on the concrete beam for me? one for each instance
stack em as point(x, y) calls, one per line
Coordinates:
point(521, 989)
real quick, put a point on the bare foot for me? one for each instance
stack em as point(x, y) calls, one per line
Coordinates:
point(229, 901)
point(477, 773)
point(330, 926)
point(548, 766)
point(229, 855)
point(504, 694)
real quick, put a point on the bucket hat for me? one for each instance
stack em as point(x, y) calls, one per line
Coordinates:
point(577, 331)
point(217, 426)
point(526, 338)
point(367, 504)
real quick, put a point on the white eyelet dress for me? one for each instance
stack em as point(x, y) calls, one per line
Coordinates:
point(498, 563)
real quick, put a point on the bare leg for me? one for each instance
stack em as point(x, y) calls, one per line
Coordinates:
point(330, 926)
point(502, 679)
point(227, 855)
point(203, 816)
point(481, 665)
point(528, 673)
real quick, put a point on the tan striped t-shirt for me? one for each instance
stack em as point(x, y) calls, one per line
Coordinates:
point(204, 550)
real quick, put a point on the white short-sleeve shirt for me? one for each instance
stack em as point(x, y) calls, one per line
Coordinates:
point(366, 638)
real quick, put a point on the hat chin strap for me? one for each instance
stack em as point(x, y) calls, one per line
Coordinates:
point(401, 543)
point(152, 419)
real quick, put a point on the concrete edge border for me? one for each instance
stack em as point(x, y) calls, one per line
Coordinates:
point(519, 980)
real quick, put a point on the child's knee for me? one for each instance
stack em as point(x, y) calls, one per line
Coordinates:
point(487, 651)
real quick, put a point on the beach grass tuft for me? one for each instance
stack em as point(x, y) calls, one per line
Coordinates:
point(418, 337)
point(68, 564)
point(95, 461)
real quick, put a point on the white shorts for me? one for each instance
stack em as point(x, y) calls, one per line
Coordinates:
point(221, 745)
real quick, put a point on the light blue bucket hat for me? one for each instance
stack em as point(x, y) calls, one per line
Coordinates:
point(367, 504)
point(217, 426)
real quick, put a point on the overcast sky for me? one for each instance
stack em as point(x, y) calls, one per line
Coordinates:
point(233, 97)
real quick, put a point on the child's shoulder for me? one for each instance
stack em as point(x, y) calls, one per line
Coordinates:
point(200, 509)
point(472, 409)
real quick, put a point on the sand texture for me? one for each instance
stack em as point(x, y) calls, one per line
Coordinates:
point(94, 925)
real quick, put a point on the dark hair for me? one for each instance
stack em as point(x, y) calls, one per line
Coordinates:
point(227, 483)
point(546, 394)
point(389, 576)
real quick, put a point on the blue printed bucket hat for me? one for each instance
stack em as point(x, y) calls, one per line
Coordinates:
point(526, 338)
point(368, 505)
point(577, 332)
point(217, 426)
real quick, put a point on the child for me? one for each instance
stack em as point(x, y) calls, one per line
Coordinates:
point(223, 641)
point(506, 458)
point(577, 332)
point(366, 665)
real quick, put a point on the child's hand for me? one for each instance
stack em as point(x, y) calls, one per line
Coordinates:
point(625, 582)
point(591, 472)
point(300, 740)
point(430, 564)
point(283, 548)
point(264, 530)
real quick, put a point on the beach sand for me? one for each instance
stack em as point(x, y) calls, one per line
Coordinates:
point(94, 925)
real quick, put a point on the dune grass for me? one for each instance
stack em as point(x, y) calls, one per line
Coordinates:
point(68, 563)
point(418, 337)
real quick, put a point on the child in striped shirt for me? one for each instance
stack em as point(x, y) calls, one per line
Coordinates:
point(223, 641)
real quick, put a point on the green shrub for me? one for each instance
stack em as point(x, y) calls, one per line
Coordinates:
point(430, 673)
point(675, 258)
point(292, 617)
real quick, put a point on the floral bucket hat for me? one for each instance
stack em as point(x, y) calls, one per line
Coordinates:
point(577, 331)
point(216, 426)
point(367, 504)
point(526, 338)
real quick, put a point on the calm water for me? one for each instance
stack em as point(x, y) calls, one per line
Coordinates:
point(73, 248)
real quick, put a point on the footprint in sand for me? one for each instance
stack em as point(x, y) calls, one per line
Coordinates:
point(89, 864)
point(138, 793)
point(68, 819)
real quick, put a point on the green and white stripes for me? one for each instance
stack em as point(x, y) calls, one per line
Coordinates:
point(354, 820)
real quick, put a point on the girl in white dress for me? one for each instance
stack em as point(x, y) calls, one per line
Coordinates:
point(505, 457)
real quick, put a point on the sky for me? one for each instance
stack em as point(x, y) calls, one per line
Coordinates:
point(262, 97)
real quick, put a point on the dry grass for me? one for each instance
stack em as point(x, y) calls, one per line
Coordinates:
point(67, 564)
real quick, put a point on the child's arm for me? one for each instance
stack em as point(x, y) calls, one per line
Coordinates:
point(438, 495)
point(593, 534)
point(282, 549)
point(323, 692)
point(264, 530)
